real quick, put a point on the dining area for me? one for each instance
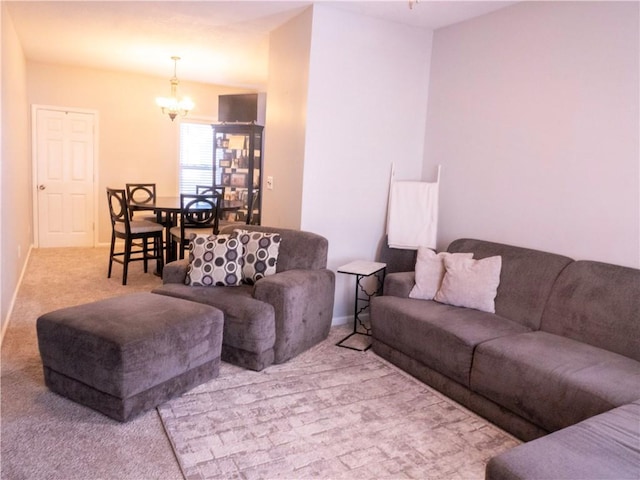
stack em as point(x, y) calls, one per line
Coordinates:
point(158, 228)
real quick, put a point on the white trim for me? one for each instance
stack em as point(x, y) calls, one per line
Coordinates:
point(34, 165)
point(207, 120)
point(342, 320)
point(15, 296)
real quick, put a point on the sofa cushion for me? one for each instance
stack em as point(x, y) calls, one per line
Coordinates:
point(399, 284)
point(470, 283)
point(298, 249)
point(599, 304)
point(249, 324)
point(429, 272)
point(397, 259)
point(526, 278)
point(440, 336)
point(551, 380)
point(260, 254)
point(214, 260)
point(602, 447)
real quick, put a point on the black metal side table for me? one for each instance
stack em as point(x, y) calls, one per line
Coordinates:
point(362, 270)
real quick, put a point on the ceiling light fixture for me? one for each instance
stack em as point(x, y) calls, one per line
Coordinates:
point(171, 105)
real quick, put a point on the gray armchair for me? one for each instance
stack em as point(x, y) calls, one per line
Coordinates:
point(280, 316)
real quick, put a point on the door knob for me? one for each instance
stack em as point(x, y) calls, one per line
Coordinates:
point(41, 187)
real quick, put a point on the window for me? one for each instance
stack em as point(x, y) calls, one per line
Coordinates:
point(196, 156)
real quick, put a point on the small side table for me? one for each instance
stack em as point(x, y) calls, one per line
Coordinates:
point(363, 269)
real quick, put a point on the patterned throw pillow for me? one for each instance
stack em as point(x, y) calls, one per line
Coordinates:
point(214, 260)
point(260, 254)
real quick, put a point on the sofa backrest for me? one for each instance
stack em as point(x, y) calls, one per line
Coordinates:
point(599, 304)
point(396, 259)
point(298, 249)
point(526, 278)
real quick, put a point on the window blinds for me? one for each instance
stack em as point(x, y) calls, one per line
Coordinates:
point(196, 156)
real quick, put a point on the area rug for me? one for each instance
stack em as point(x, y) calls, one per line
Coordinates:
point(330, 413)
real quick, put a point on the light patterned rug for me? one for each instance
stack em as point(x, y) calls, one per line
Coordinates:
point(329, 413)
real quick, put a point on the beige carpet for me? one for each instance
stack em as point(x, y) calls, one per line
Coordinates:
point(329, 413)
point(46, 436)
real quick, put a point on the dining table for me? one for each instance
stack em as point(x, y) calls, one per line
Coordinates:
point(167, 210)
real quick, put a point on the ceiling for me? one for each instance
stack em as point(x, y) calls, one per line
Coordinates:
point(220, 42)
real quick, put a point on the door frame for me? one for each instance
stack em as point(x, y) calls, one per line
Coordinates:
point(34, 165)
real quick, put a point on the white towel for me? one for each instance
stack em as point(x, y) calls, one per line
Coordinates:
point(413, 215)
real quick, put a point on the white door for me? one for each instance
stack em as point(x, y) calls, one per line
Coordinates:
point(64, 161)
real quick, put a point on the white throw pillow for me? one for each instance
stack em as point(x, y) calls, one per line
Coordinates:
point(470, 283)
point(429, 272)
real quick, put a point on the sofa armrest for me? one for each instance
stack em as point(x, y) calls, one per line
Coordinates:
point(399, 284)
point(303, 304)
point(175, 272)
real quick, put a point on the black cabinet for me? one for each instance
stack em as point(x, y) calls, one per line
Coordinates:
point(237, 169)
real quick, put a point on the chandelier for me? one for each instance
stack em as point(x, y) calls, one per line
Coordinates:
point(171, 105)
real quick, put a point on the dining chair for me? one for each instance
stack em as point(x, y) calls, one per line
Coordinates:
point(202, 189)
point(140, 198)
point(251, 214)
point(135, 233)
point(198, 214)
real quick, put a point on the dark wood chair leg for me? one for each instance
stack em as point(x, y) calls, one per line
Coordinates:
point(160, 253)
point(145, 253)
point(127, 257)
point(113, 244)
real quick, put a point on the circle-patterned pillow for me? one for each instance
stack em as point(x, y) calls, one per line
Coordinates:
point(260, 254)
point(214, 260)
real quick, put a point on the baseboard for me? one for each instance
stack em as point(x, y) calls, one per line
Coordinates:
point(341, 320)
point(348, 319)
point(15, 295)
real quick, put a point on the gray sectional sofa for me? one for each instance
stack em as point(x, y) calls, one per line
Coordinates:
point(562, 346)
point(606, 446)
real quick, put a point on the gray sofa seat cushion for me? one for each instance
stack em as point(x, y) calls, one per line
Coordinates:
point(249, 324)
point(599, 304)
point(551, 380)
point(526, 278)
point(440, 336)
point(606, 446)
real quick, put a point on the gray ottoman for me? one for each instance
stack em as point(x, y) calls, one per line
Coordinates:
point(125, 355)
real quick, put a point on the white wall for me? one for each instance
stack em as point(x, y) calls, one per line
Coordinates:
point(137, 143)
point(15, 193)
point(366, 108)
point(289, 49)
point(534, 116)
